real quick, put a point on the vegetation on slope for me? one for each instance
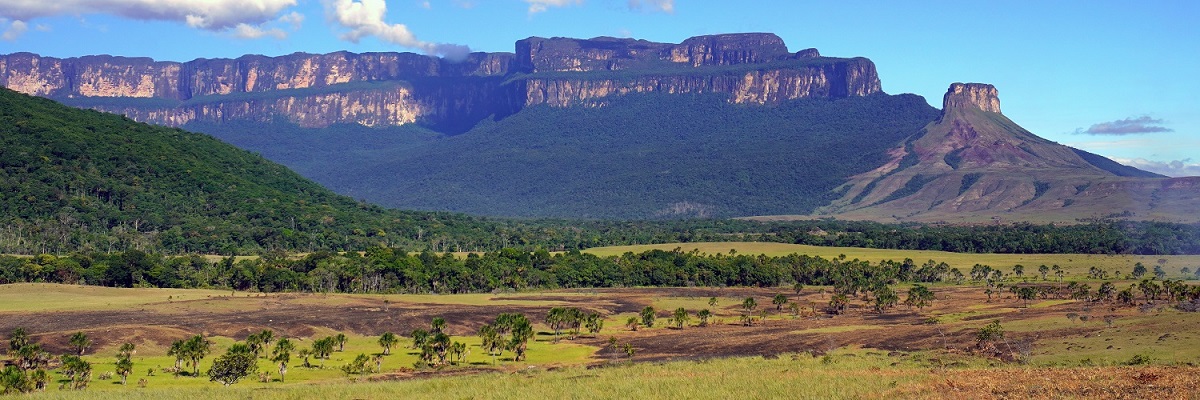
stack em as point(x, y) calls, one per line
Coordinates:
point(638, 156)
point(83, 180)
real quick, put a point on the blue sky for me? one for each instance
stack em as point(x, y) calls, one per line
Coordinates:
point(1116, 78)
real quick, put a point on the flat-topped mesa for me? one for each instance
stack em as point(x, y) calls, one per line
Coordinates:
point(729, 49)
point(977, 95)
point(559, 54)
point(383, 89)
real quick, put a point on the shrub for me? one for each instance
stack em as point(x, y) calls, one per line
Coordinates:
point(1140, 359)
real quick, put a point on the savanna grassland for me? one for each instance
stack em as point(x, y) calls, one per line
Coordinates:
point(974, 338)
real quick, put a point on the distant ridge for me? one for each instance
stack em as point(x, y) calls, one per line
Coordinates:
point(973, 163)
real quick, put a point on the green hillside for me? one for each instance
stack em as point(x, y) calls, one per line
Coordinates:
point(78, 180)
point(638, 156)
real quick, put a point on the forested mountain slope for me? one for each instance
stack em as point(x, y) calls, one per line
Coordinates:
point(639, 156)
point(79, 179)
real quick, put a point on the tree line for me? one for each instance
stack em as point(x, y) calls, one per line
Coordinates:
point(386, 270)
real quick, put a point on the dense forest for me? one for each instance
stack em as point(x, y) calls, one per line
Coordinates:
point(1092, 237)
point(646, 156)
point(383, 270)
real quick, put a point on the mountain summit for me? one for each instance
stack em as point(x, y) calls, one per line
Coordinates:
point(714, 126)
point(973, 163)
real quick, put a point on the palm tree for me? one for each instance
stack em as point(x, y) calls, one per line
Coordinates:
point(304, 354)
point(522, 331)
point(282, 355)
point(885, 297)
point(437, 325)
point(341, 341)
point(124, 367)
point(647, 315)
point(680, 317)
point(919, 296)
point(18, 339)
point(594, 323)
point(748, 306)
point(490, 341)
point(703, 315)
point(196, 348)
point(556, 319)
point(387, 340)
point(838, 303)
point(80, 342)
point(779, 300)
point(177, 351)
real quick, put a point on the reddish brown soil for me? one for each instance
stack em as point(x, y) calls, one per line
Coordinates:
point(288, 316)
point(1143, 382)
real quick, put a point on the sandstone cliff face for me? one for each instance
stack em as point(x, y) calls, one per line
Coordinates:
point(752, 68)
point(769, 86)
point(975, 95)
point(377, 89)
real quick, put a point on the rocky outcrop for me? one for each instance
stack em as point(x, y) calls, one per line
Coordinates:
point(377, 89)
point(751, 68)
point(971, 165)
point(974, 95)
point(768, 86)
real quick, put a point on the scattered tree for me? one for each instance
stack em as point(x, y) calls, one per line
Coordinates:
point(648, 316)
point(1139, 270)
point(195, 349)
point(885, 298)
point(595, 323)
point(387, 340)
point(522, 331)
point(1026, 293)
point(357, 366)
point(490, 341)
point(680, 317)
point(919, 296)
point(341, 339)
point(238, 362)
point(80, 342)
point(779, 301)
point(989, 334)
point(282, 355)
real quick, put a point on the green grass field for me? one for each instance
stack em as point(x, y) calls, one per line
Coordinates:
point(1075, 265)
point(541, 354)
point(846, 374)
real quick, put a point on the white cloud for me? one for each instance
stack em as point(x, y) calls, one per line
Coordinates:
point(425, 4)
point(244, 31)
point(15, 30)
point(1127, 126)
point(294, 19)
point(245, 18)
point(365, 18)
point(537, 6)
point(206, 14)
point(1184, 167)
point(667, 6)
